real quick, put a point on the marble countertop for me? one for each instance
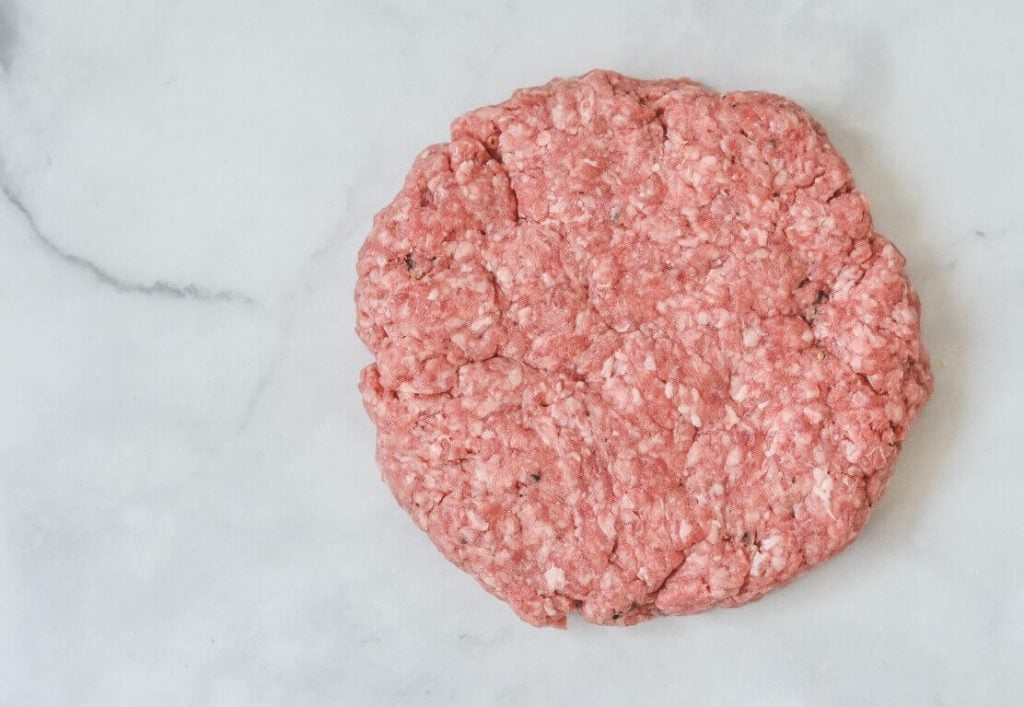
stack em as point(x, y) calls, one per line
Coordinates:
point(190, 509)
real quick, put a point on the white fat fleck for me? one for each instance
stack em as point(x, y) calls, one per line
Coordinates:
point(695, 419)
point(515, 376)
point(731, 418)
point(693, 455)
point(480, 324)
point(555, 578)
point(895, 411)
point(547, 279)
point(643, 575)
point(750, 338)
point(703, 318)
point(627, 503)
point(649, 363)
point(684, 530)
point(755, 564)
point(589, 162)
point(476, 522)
point(432, 295)
point(734, 457)
point(741, 393)
point(606, 523)
point(621, 396)
point(823, 489)
point(669, 389)
point(480, 473)
point(770, 542)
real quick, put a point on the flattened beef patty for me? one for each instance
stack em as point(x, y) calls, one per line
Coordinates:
point(639, 350)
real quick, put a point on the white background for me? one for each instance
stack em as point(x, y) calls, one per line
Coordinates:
point(189, 508)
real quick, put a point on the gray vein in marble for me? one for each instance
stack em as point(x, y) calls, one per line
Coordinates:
point(257, 393)
point(338, 236)
point(7, 37)
point(160, 288)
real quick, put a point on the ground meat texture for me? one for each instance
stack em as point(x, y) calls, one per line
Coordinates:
point(639, 350)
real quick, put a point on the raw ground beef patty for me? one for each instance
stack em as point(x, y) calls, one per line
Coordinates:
point(639, 350)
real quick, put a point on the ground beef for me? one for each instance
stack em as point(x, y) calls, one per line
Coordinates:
point(639, 350)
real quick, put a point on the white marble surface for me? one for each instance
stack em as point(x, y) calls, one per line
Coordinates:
point(189, 509)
